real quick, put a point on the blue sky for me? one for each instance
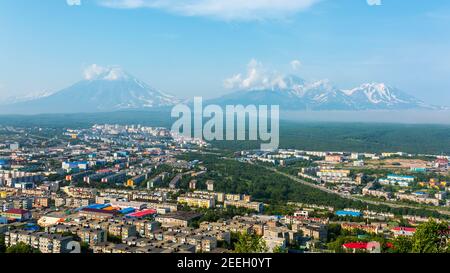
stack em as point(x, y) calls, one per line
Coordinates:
point(191, 47)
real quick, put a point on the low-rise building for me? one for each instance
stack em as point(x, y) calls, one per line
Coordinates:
point(279, 236)
point(192, 200)
point(179, 218)
point(403, 231)
point(16, 214)
point(202, 243)
point(25, 203)
point(44, 242)
point(96, 214)
point(123, 231)
point(370, 247)
point(92, 236)
point(369, 191)
point(256, 206)
point(397, 180)
point(418, 198)
point(375, 229)
point(314, 231)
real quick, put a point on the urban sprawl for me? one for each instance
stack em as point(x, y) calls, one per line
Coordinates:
point(138, 189)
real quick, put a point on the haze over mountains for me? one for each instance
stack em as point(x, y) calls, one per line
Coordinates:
point(112, 89)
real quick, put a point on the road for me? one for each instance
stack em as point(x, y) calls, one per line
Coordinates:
point(354, 198)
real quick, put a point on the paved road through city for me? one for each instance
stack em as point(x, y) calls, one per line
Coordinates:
point(322, 188)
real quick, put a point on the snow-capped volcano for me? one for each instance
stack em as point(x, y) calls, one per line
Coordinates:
point(113, 73)
point(102, 90)
point(298, 94)
point(111, 89)
point(379, 95)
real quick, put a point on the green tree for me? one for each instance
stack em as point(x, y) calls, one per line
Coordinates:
point(114, 239)
point(336, 245)
point(334, 231)
point(249, 243)
point(402, 244)
point(279, 249)
point(431, 237)
point(85, 248)
point(21, 248)
point(2, 244)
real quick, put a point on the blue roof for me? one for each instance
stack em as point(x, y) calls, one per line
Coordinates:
point(74, 165)
point(348, 213)
point(127, 210)
point(98, 206)
point(31, 227)
point(4, 161)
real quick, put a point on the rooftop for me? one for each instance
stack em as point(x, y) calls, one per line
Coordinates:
point(99, 211)
point(16, 211)
point(356, 245)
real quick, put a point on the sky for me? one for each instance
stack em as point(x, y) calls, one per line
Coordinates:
point(210, 47)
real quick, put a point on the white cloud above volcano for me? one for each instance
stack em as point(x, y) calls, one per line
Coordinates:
point(244, 10)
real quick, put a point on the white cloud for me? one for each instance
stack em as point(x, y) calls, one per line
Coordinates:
point(73, 2)
point(110, 73)
point(256, 77)
point(228, 10)
point(296, 64)
point(93, 71)
point(231, 82)
point(374, 2)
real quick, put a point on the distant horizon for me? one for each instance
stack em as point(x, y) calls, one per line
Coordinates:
point(387, 117)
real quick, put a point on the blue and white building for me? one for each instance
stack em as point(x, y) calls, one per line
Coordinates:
point(397, 180)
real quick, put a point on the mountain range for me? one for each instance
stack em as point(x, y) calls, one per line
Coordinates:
point(114, 90)
point(296, 94)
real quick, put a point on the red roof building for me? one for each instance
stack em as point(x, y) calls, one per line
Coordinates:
point(441, 163)
point(142, 213)
point(403, 231)
point(372, 247)
point(355, 245)
point(97, 214)
point(16, 211)
point(98, 211)
point(16, 214)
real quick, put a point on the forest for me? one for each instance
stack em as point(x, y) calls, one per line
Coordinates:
point(318, 136)
point(263, 185)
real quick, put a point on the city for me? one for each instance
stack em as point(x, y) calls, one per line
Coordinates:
point(138, 189)
point(224, 135)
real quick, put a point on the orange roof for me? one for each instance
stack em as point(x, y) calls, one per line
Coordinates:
point(110, 208)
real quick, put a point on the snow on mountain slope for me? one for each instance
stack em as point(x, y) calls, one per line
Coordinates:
point(102, 90)
point(379, 95)
point(298, 94)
